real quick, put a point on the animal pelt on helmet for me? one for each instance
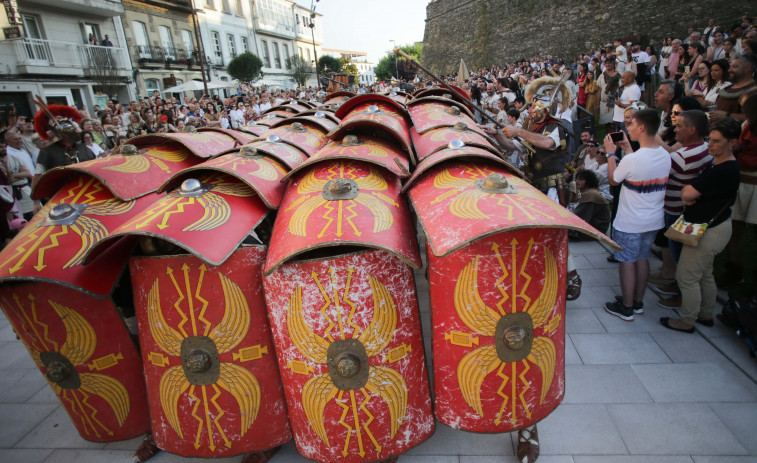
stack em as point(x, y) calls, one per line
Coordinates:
point(42, 119)
point(543, 84)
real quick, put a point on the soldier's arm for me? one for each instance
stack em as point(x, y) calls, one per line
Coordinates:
point(536, 139)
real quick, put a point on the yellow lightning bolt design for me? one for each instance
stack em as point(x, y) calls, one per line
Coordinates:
point(514, 416)
point(213, 399)
point(299, 201)
point(501, 280)
point(332, 280)
point(204, 301)
point(28, 251)
point(326, 305)
point(329, 209)
point(356, 418)
point(353, 307)
point(346, 410)
point(351, 208)
point(176, 304)
point(385, 198)
point(54, 243)
point(83, 415)
point(90, 190)
point(196, 416)
point(179, 209)
point(526, 276)
point(526, 388)
point(212, 444)
point(513, 247)
point(508, 207)
point(92, 417)
point(367, 424)
point(190, 301)
point(501, 393)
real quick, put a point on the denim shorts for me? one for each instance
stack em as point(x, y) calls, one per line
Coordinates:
point(636, 246)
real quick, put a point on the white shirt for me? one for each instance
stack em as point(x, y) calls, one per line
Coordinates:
point(644, 175)
point(640, 57)
point(630, 93)
point(620, 54)
point(23, 156)
point(236, 117)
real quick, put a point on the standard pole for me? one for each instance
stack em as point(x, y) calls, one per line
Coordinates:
point(200, 48)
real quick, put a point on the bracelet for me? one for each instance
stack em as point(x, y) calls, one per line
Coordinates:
point(610, 155)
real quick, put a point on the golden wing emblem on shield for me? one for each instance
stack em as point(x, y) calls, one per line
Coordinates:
point(478, 364)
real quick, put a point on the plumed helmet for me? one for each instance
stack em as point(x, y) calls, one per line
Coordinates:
point(42, 122)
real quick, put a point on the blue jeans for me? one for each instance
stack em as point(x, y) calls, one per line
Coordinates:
point(675, 246)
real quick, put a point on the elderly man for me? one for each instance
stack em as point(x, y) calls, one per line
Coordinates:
point(663, 99)
point(675, 55)
point(17, 150)
point(631, 93)
point(742, 78)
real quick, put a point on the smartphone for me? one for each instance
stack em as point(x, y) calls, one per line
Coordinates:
point(686, 69)
point(617, 137)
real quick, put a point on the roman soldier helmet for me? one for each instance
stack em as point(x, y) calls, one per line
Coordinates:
point(544, 94)
point(59, 120)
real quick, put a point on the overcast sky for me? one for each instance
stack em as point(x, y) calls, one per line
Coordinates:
point(363, 25)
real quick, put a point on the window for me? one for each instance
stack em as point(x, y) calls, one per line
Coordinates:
point(140, 36)
point(90, 28)
point(232, 45)
point(302, 55)
point(276, 56)
point(186, 38)
point(309, 58)
point(286, 56)
point(217, 46)
point(245, 45)
point(167, 42)
point(276, 12)
point(238, 4)
point(34, 50)
point(151, 85)
point(266, 57)
point(209, 4)
point(226, 7)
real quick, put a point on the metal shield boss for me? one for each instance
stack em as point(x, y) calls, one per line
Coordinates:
point(499, 330)
point(89, 360)
point(210, 367)
point(348, 340)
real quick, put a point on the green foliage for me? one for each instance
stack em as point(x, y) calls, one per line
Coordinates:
point(386, 69)
point(328, 65)
point(245, 68)
point(349, 67)
point(299, 70)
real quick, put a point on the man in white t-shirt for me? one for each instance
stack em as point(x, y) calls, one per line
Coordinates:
point(631, 94)
point(644, 176)
point(621, 57)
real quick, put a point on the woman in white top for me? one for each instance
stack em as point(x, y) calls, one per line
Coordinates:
point(265, 105)
point(719, 78)
point(88, 140)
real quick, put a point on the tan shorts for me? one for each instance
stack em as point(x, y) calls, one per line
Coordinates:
point(745, 208)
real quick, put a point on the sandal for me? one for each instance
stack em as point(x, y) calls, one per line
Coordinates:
point(260, 457)
point(573, 288)
point(528, 444)
point(147, 449)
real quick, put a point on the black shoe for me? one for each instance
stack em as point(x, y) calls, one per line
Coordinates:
point(665, 321)
point(619, 310)
point(612, 260)
point(638, 307)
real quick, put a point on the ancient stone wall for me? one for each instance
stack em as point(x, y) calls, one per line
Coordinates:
point(486, 32)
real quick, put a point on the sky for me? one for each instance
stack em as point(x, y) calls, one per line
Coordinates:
point(366, 25)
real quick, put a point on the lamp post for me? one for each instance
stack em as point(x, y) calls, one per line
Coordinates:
point(312, 34)
point(396, 72)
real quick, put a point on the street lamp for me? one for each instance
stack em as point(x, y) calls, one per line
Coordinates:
point(396, 73)
point(312, 34)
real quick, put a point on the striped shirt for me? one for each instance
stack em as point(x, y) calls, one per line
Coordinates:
point(686, 165)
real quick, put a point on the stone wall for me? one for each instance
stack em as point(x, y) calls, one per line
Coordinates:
point(486, 32)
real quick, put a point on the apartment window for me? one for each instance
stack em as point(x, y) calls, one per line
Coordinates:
point(226, 7)
point(275, 11)
point(140, 36)
point(309, 58)
point(286, 56)
point(266, 56)
point(245, 45)
point(209, 4)
point(152, 85)
point(232, 45)
point(276, 56)
point(238, 4)
point(302, 55)
point(217, 43)
point(186, 38)
point(94, 29)
point(167, 41)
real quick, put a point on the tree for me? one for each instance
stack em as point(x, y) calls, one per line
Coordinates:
point(299, 70)
point(104, 71)
point(349, 67)
point(245, 68)
point(386, 67)
point(328, 65)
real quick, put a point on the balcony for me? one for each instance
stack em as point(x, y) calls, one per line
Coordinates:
point(100, 8)
point(36, 56)
point(270, 26)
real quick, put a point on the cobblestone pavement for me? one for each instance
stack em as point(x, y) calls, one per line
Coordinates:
point(635, 393)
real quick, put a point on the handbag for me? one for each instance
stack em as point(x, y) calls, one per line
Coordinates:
point(689, 233)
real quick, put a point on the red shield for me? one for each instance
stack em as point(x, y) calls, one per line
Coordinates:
point(209, 363)
point(255, 130)
point(371, 149)
point(308, 137)
point(319, 118)
point(432, 115)
point(263, 174)
point(438, 139)
point(440, 92)
point(273, 118)
point(81, 346)
point(127, 177)
point(202, 144)
point(456, 192)
point(287, 154)
point(194, 218)
point(373, 214)
point(54, 244)
point(338, 98)
point(238, 135)
point(499, 330)
point(349, 346)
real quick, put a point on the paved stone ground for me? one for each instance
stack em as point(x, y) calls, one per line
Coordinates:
point(635, 393)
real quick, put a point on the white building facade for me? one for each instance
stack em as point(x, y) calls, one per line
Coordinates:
point(366, 69)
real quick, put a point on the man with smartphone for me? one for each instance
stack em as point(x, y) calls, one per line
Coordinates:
point(644, 176)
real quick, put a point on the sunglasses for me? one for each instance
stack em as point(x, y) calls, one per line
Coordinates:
point(677, 113)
